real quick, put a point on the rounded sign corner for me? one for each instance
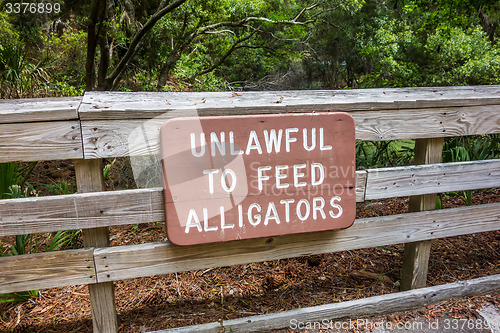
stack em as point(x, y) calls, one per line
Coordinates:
point(174, 238)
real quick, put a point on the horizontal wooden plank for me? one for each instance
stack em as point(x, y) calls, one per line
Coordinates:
point(100, 209)
point(434, 178)
point(76, 267)
point(118, 138)
point(124, 262)
point(40, 141)
point(422, 123)
point(39, 109)
point(370, 306)
point(46, 270)
point(147, 105)
point(80, 211)
point(380, 114)
point(53, 269)
point(136, 137)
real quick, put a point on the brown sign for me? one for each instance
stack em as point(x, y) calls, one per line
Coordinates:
point(239, 177)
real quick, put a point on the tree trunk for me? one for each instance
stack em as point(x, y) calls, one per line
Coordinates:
point(165, 71)
point(91, 46)
point(96, 33)
point(171, 61)
point(486, 23)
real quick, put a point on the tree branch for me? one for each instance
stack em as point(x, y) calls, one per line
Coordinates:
point(93, 32)
point(304, 10)
point(112, 79)
point(226, 55)
point(219, 32)
point(208, 28)
point(214, 29)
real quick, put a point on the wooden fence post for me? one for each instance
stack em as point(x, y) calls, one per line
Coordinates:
point(416, 255)
point(89, 178)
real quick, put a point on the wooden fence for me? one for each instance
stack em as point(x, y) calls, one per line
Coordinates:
point(102, 124)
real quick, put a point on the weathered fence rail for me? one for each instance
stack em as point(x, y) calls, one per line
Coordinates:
point(106, 124)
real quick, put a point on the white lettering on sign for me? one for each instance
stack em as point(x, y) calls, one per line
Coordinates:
point(202, 146)
point(234, 152)
point(275, 141)
point(317, 175)
point(240, 177)
point(288, 139)
point(210, 173)
point(297, 175)
point(253, 143)
point(287, 203)
point(337, 206)
point(219, 143)
point(313, 140)
point(272, 142)
point(256, 215)
point(205, 221)
point(321, 170)
point(223, 181)
point(280, 176)
point(322, 145)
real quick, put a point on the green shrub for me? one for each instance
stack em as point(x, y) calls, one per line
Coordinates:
point(68, 67)
point(462, 57)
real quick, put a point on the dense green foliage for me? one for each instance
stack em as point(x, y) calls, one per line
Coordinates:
point(235, 44)
point(430, 47)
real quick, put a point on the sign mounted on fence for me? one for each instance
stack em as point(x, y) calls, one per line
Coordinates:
point(239, 177)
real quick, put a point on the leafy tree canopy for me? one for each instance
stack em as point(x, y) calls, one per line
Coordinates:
point(234, 44)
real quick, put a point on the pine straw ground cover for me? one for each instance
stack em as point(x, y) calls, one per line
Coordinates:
point(195, 297)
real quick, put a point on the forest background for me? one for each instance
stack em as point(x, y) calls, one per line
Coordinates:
point(214, 45)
